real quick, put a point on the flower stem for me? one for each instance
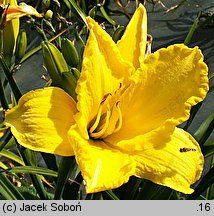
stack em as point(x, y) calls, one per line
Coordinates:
point(3, 98)
point(16, 91)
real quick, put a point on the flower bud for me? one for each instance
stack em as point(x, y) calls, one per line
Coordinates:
point(45, 4)
point(21, 45)
point(54, 62)
point(92, 12)
point(49, 15)
point(118, 33)
point(9, 35)
point(70, 79)
point(70, 53)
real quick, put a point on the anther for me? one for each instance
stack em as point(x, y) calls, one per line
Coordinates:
point(120, 119)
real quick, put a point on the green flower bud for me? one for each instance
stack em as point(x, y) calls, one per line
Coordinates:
point(70, 53)
point(92, 12)
point(54, 62)
point(49, 15)
point(21, 45)
point(70, 79)
point(118, 33)
point(9, 34)
point(46, 4)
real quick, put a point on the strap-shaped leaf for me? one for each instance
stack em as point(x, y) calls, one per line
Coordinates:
point(65, 169)
point(208, 148)
point(33, 170)
point(205, 129)
point(152, 191)
point(206, 181)
point(76, 10)
point(12, 156)
point(8, 190)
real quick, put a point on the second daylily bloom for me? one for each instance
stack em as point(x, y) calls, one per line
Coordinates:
point(12, 11)
point(124, 120)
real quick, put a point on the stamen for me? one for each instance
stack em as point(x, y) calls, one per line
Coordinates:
point(120, 119)
point(105, 97)
point(94, 126)
point(104, 128)
point(108, 119)
point(99, 114)
point(115, 121)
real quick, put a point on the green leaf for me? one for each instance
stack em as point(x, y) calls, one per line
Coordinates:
point(206, 181)
point(211, 76)
point(95, 196)
point(193, 112)
point(6, 140)
point(28, 192)
point(79, 40)
point(3, 166)
point(29, 159)
point(17, 93)
point(111, 21)
point(11, 143)
point(76, 10)
point(111, 195)
point(66, 167)
point(152, 191)
point(3, 99)
point(50, 161)
point(32, 170)
point(210, 190)
point(8, 190)
point(30, 53)
point(205, 129)
point(74, 187)
point(208, 148)
point(131, 188)
point(12, 156)
point(211, 89)
point(191, 32)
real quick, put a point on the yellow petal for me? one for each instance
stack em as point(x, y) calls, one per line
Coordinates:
point(132, 45)
point(1, 134)
point(103, 71)
point(42, 119)
point(177, 163)
point(19, 11)
point(171, 81)
point(169, 158)
point(10, 2)
point(102, 167)
point(6, 2)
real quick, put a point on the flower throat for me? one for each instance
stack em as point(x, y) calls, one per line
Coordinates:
point(108, 119)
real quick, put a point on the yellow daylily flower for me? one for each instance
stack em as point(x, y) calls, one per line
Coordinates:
point(12, 11)
point(124, 120)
